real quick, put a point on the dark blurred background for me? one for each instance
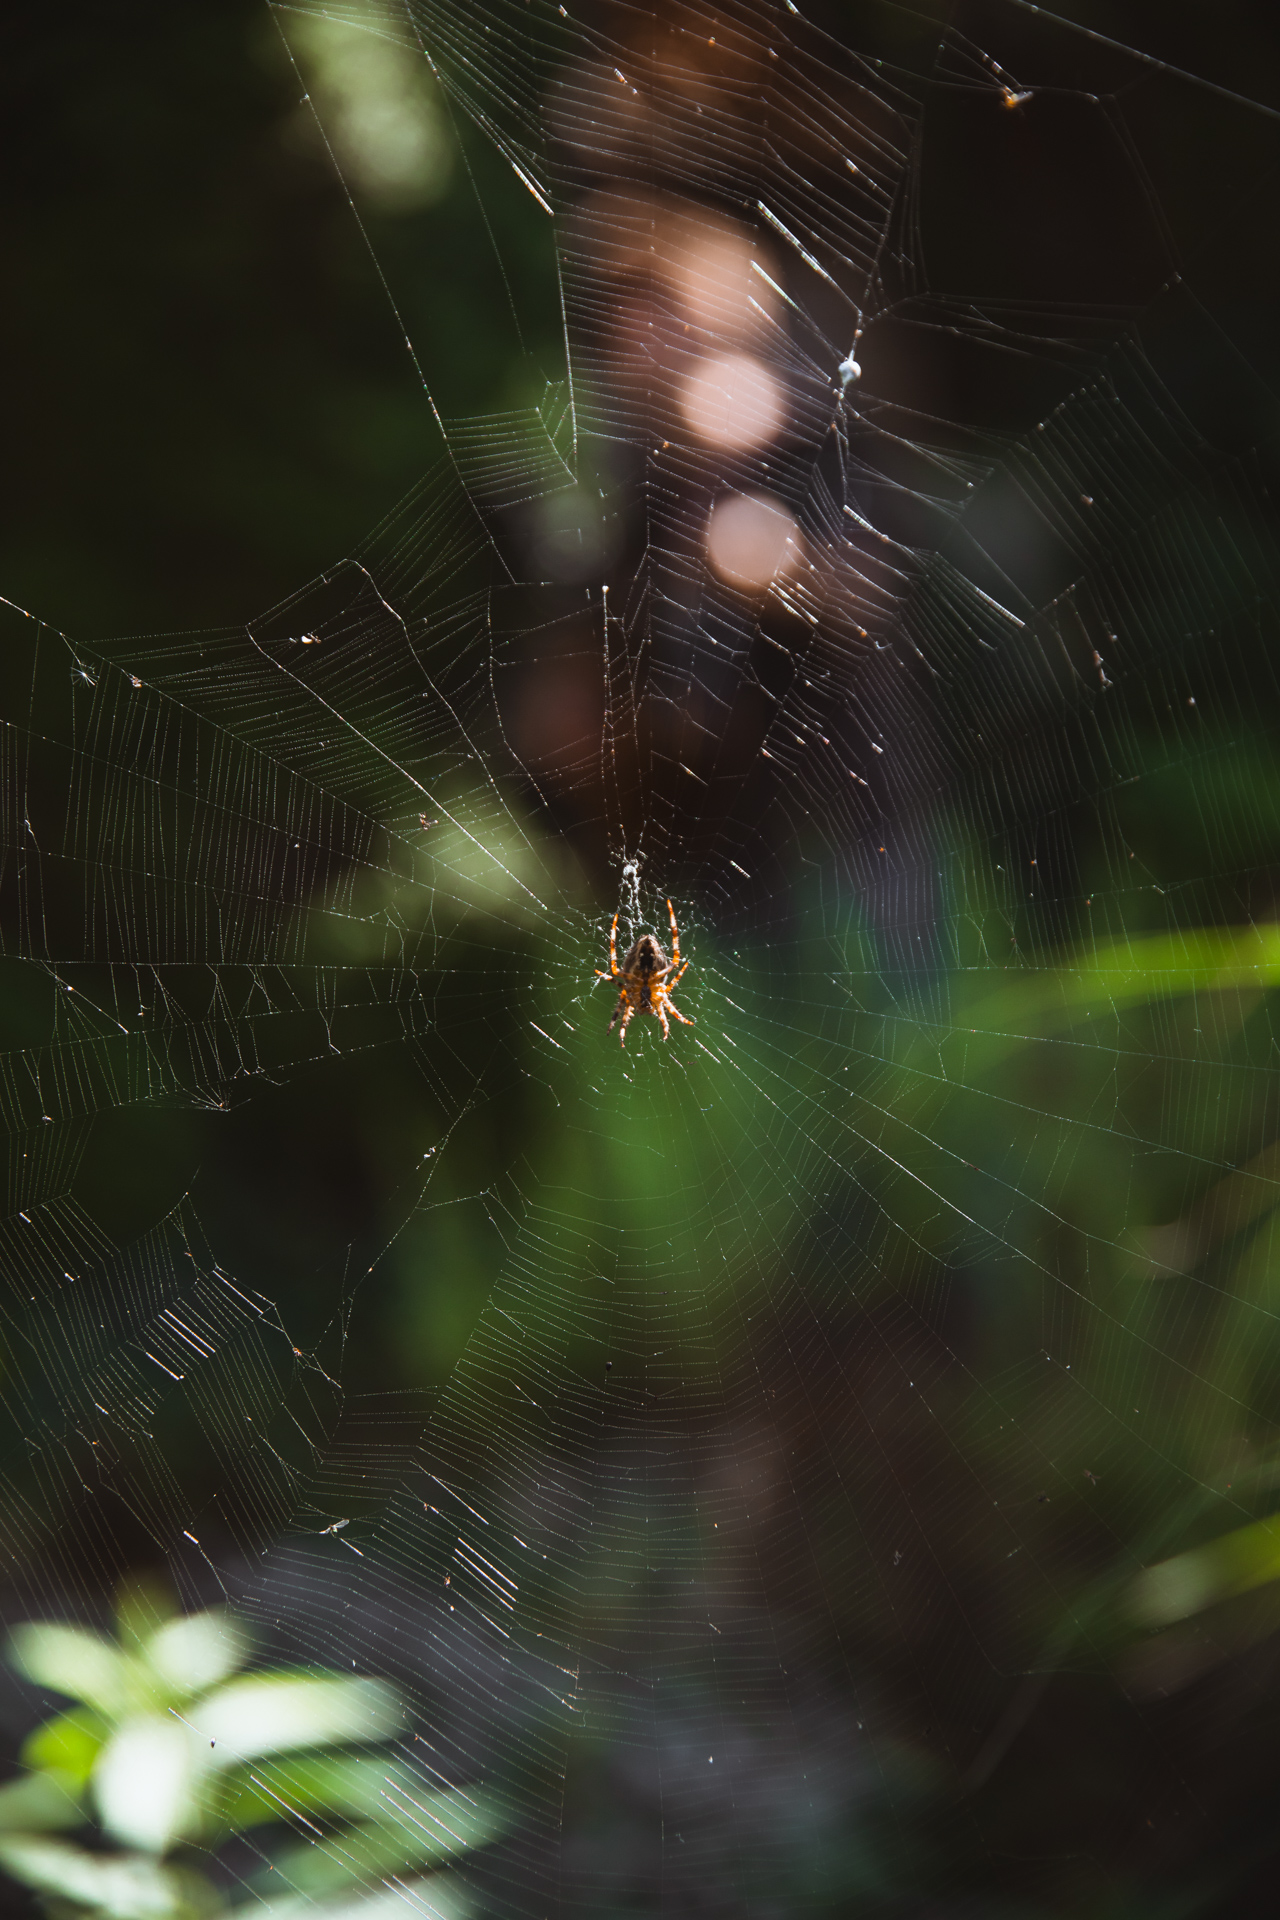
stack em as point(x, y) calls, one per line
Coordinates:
point(210, 395)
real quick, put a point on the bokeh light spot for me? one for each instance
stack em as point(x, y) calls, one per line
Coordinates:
point(732, 402)
point(751, 538)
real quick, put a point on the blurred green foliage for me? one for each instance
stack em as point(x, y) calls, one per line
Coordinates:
point(174, 1750)
point(218, 394)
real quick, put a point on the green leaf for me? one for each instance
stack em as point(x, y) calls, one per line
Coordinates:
point(1108, 979)
point(349, 1785)
point(274, 1712)
point(145, 1782)
point(195, 1652)
point(437, 1896)
point(121, 1886)
point(68, 1744)
point(142, 1605)
point(427, 1831)
point(84, 1665)
point(41, 1803)
point(1186, 1584)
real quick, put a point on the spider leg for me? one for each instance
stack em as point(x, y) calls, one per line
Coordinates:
point(662, 1012)
point(623, 1001)
point(613, 958)
point(626, 1022)
point(671, 985)
point(682, 1017)
point(675, 936)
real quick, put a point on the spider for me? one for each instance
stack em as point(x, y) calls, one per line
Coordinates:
point(644, 987)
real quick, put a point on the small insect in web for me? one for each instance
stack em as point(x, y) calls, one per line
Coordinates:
point(647, 979)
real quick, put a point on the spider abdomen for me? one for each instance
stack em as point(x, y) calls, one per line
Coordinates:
point(643, 979)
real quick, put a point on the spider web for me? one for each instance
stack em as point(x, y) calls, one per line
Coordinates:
point(828, 1372)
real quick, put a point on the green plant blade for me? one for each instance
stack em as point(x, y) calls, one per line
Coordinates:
point(41, 1802)
point(427, 1832)
point(120, 1886)
point(83, 1665)
point(434, 1897)
point(144, 1782)
point(1190, 1582)
point(195, 1652)
point(68, 1745)
point(272, 1713)
point(348, 1785)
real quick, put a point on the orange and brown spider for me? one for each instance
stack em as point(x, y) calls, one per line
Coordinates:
point(645, 986)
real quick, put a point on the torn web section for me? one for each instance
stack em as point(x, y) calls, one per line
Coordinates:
point(136, 1016)
point(303, 931)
